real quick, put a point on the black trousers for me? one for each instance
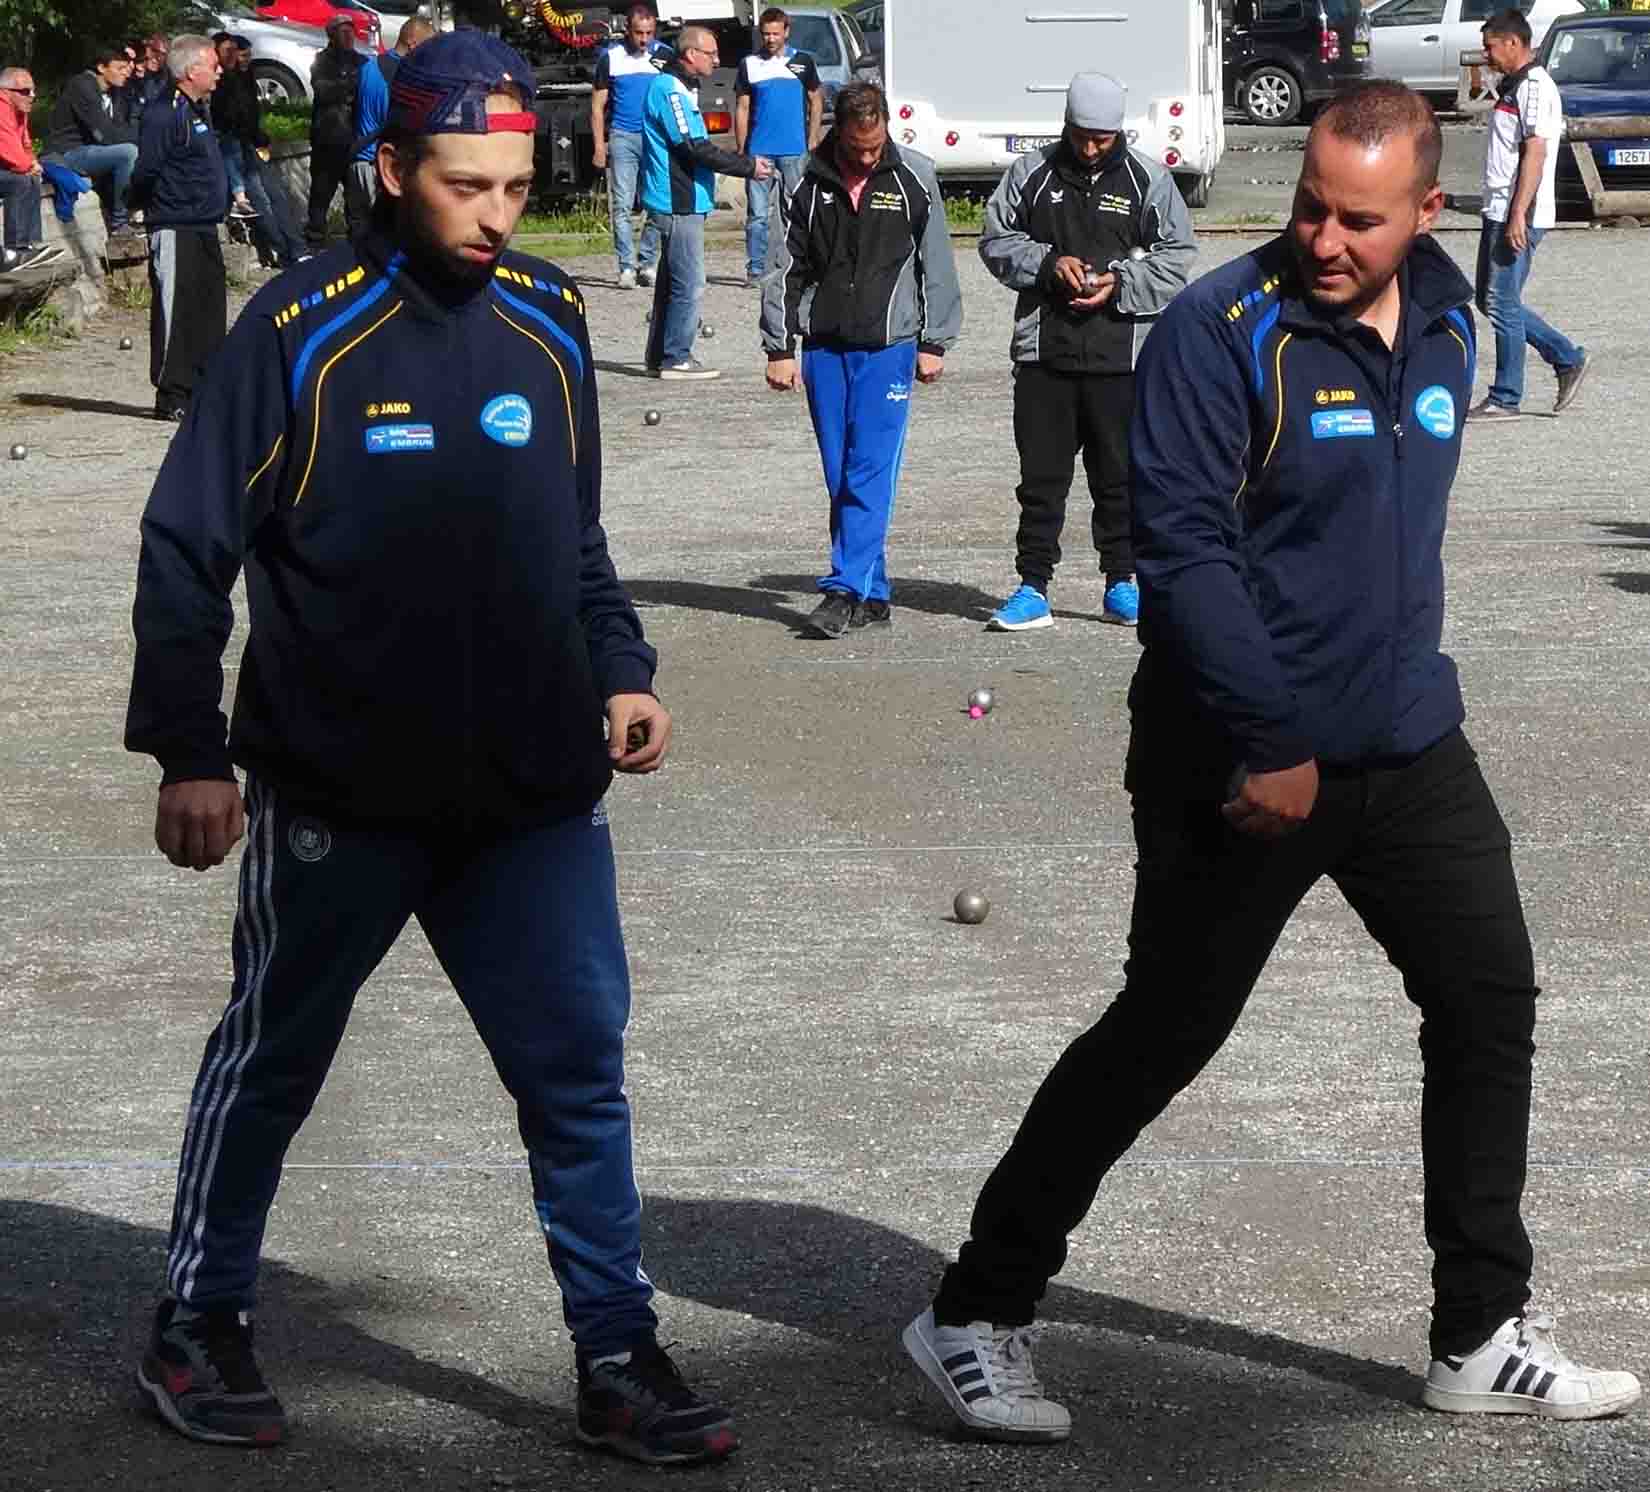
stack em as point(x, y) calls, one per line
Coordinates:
point(329, 169)
point(1056, 415)
point(1423, 856)
point(188, 312)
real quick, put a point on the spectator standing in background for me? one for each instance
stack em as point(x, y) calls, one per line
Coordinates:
point(20, 177)
point(90, 132)
point(1520, 167)
point(624, 73)
point(777, 116)
point(372, 107)
point(278, 242)
point(679, 191)
point(181, 182)
point(231, 107)
point(335, 81)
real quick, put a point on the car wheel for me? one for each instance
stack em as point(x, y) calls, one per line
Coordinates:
point(1270, 95)
point(276, 85)
point(1195, 189)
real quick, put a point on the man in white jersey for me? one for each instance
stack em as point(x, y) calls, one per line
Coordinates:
point(1526, 127)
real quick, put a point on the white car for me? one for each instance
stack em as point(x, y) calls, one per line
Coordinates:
point(1421, 41)
point(282, 51)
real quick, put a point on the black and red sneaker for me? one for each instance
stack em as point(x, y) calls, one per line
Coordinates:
point(641, 1408)
point(204, 1380)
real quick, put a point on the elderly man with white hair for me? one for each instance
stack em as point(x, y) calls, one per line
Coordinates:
point(20, 177)
point(181, 184)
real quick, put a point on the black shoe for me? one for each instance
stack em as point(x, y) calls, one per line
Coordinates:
point(1569, 384)
point(205, 1382)
point(173, 410)
point(833, 616)
point(1486, 411)
point(643, 1410)
point(873, 614)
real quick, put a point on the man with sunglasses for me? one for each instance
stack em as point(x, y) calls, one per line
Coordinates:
point(679, 166)
point(20, 177)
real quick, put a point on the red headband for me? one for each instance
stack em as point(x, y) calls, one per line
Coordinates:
point(522, 124)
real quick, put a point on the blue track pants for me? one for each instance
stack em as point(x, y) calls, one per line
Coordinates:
point(527, 928)
point(861, 403)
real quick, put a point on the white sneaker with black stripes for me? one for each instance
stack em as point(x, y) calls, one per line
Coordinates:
point(1521, 1371)
point(985, 1374)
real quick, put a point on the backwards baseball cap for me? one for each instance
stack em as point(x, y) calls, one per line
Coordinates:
point(441, 88)
point(1094, 101)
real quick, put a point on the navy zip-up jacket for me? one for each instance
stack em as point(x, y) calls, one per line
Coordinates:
point(179, 180)
point(412, 478)
point(1290, 485)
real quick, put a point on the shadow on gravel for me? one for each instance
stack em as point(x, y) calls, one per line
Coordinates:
point(88, 406)
point(827, 1273)
point(731, 600)
point(935, 597)
point(1635, 536)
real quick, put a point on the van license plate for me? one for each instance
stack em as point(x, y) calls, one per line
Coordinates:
point(1630, 157)
point(1360, 49)
point(1020, 144)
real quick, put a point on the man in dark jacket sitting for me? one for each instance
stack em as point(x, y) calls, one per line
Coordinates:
point(90, 131)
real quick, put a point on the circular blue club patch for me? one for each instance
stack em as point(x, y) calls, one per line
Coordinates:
point(1435, 409)
point(508, 419)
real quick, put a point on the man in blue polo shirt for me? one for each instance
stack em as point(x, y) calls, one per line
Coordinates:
point(624, 72)
point(778, 116)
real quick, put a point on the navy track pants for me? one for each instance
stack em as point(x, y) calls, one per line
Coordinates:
point(861, 404)
point(527, 929)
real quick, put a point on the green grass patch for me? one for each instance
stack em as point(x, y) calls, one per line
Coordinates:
point(39, 326)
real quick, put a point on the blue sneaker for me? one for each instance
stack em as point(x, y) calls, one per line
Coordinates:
point(1025, 609)
point(1122, 603)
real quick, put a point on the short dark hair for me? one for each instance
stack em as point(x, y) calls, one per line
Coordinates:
point(645, 7)
point(861, 103)
point(1372, 113)
point(771, 14)
point(1509, 23)
point(220, 37)
point(107, 51)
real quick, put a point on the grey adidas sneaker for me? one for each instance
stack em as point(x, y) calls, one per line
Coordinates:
point(985, 1375)
point(1521, 1371)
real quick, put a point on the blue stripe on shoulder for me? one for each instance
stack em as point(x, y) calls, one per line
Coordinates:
point(546, 322)
point(1267, 322)
point(1459, 318)
point(313, 342)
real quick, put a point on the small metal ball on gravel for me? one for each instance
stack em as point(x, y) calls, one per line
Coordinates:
point(707, 330)
point(18, 452)
point(125, 344)
point(652, 417)
point(970, 907)
point(981, 702)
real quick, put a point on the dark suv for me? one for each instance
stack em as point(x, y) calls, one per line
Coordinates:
point(1283, 55)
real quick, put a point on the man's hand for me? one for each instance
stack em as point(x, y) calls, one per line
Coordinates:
point(930, 365)
point(599, 160)
point(1094, 299)
point(764, 169)
point(1518, 234)
point(198, 823)
point(37, 171)
point(1070, 274)
point(638, 732)
point(784, 377)
point(1270, 805)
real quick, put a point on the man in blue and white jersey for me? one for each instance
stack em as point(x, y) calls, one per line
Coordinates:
point(777, 116)
point(624, 72)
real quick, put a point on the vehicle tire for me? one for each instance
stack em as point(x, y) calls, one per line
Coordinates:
point(278, 85)
point(1270, 95)
point(1195, 189)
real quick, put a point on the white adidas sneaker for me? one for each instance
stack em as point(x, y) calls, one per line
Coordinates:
point(1521, 1371)
point(985, 1374)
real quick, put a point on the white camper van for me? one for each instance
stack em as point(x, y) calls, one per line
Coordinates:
point(973, 83)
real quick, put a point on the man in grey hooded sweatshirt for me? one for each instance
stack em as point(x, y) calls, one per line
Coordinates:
point(1096, 239)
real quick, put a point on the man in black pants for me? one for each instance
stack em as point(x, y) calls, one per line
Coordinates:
point(1295, 439)
point(1096, 239)
point(181, 185)
point(335, 80)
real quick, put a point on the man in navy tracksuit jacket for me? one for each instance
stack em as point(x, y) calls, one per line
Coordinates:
point(868, 283)
point(1297, 430)
point(400, 442)
point(181, 186)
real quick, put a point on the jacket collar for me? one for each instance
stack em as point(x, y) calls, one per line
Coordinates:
point(1429, 282)
point(1067, 166)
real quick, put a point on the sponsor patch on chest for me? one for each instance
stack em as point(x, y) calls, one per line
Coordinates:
point(391, 440)
point(884, 202)
point(508, 419)
point(1335, 396)
point(1339, 424)
point(1435, 409)
point(1111, 202)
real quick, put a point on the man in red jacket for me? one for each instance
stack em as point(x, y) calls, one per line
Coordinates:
point(20, 177)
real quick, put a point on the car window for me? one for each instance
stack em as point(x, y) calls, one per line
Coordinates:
point(1408, 13)
point(814, 34)
point(851, 21)
point(1482, 10)
point(1281, 10)
point(1618, 55)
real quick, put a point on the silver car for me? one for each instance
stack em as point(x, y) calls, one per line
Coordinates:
point(282, 52)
